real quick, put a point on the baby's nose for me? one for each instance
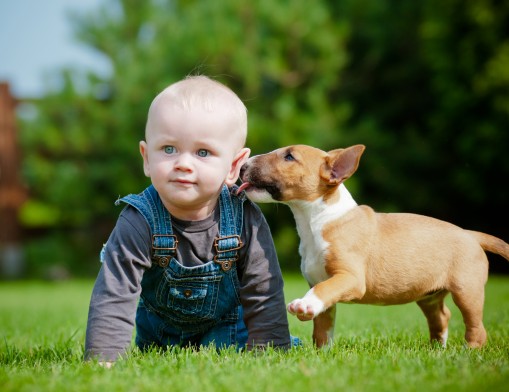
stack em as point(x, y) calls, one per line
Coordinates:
point(183, 162)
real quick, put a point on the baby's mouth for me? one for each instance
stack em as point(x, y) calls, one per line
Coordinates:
point(183, 181)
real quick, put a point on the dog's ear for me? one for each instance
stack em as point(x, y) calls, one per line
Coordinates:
point(340, 164)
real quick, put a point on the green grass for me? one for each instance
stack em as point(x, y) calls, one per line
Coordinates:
point(376, 349)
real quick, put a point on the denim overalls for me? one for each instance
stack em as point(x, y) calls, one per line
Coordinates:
point(190, 305)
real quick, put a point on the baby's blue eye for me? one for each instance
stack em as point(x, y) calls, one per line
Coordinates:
point(169, 149)
point(202, 153)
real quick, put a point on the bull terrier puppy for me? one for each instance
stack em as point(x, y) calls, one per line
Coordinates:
point(352, 254)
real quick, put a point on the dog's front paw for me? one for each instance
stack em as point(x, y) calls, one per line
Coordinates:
point(301, 309)
point(306, 308)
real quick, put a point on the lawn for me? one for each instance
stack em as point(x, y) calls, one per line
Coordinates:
point(376, 349)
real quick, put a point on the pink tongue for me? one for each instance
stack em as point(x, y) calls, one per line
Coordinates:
point(243, 186)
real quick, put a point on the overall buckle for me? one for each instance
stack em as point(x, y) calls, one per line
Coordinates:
point(226, 263)
point(163, 260)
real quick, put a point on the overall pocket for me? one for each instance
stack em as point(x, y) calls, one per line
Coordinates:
point(189, 298)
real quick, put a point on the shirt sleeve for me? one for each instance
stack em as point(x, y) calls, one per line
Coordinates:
point(115, 295)
point(261, 283)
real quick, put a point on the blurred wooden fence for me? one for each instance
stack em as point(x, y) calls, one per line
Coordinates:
point(12, 191)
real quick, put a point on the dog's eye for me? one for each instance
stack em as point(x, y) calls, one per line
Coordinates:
point(289, 157)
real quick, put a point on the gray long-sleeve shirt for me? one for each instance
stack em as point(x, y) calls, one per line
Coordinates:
point(127, 255)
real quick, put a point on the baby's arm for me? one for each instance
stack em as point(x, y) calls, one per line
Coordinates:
point(116, 291)
point(262, 284)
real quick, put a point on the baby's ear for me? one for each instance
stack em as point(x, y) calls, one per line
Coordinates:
point(240, 158)
point(144, 154)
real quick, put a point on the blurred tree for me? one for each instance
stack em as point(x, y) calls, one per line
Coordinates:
point(428, 83)
point(284, 59)
point(423, 84)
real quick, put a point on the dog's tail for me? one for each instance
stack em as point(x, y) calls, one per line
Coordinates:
point(491, 243)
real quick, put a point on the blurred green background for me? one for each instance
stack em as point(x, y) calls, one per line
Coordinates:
point(423, 84)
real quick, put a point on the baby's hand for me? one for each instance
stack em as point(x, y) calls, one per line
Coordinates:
point(107, 364)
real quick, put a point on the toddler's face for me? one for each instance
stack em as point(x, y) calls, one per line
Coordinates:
point(189, 155)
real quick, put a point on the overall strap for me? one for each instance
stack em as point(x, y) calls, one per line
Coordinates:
point(230, 227)
point(149, 204)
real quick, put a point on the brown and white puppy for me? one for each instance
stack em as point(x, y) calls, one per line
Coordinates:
point(352, 254)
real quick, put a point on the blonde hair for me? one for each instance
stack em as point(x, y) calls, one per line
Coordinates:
point(207, 94)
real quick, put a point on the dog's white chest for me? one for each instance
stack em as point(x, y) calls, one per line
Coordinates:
point(312, 254)
point(311, 217)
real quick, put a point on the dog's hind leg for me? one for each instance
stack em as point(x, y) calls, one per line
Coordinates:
point(438, 316)
point(323, 327)
point(471, 302)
